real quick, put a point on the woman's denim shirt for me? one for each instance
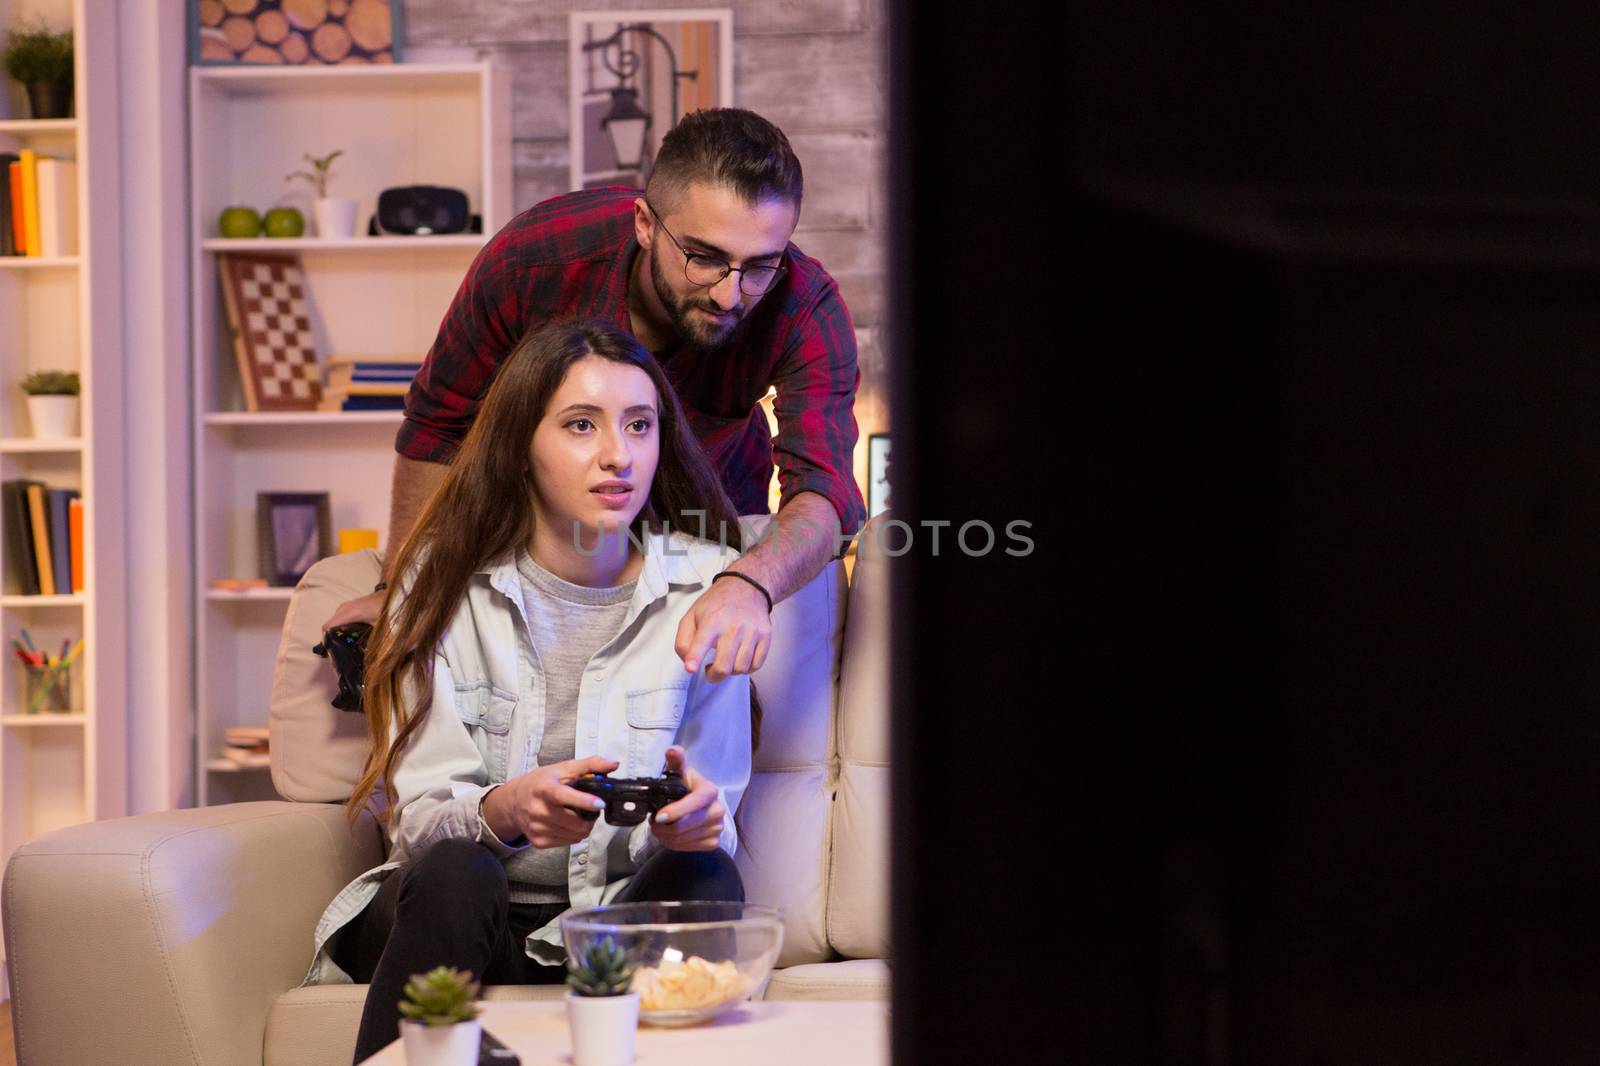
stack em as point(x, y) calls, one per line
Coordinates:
point(634, 701)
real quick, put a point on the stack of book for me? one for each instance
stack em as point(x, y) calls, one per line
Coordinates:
point(247, 746)
point(38, 205)
point(367, 382)
point(44, 538)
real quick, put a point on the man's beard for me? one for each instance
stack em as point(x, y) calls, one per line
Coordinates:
point(696, 332)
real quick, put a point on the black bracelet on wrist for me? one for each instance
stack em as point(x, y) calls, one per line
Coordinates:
point(756, 584)
point(380, 586)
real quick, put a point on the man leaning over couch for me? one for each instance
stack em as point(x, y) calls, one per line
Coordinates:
point(699, 268)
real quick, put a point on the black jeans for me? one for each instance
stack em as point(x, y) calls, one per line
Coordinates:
point(450, 906)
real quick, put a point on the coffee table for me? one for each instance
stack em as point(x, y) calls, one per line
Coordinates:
point(769, 1032)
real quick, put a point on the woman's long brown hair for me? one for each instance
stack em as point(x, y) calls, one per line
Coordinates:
point(484, 509)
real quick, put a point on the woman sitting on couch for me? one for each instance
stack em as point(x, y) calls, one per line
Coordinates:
point(533, 642)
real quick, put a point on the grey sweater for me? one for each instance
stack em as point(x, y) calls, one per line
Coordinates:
point(568, 624)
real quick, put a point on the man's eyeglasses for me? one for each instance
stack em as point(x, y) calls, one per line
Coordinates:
point(708, 270)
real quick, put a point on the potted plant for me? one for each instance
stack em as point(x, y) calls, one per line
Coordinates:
point(336, 216)
point(52, 403)
point(441, 1026)
point(601, 1010)
point(42, 62)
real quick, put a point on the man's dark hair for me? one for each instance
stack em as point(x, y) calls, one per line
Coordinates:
point(726, 146)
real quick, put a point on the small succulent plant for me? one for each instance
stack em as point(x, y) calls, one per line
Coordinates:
point(442, 996)
point(51, 383)
point(317, 176)
point(604, 970)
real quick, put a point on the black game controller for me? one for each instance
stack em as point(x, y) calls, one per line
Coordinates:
point(347, 647)
point(630, 801)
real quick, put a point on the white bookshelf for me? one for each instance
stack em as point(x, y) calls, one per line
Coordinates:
point(65, 313)
point(423, 123)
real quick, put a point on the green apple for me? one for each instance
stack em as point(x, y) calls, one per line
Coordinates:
point(239, 222)
point(285, 222)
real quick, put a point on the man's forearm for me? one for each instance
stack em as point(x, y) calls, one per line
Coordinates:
point(413, 483)
point(803, 537)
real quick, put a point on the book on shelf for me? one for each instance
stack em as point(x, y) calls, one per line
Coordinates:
point(247, 745)
point(75, 540)
point(340, 400)
point(22, 570)
point(38, 205)
point(61, 537)
point(246, 736)
point(43, 538)
point(8, 237)
point(19, 218)
point(342, 375)
point(247, 758)
point(39, 523)
point(30, 200)
point(58, 207)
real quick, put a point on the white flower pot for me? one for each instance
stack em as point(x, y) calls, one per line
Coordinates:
point(603, 1028)
point(336, 217)
point(53, 417)
point(441, 1045)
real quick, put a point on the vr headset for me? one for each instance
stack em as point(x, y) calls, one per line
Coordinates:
point(423, 210)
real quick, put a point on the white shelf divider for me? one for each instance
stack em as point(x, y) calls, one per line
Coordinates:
point(35, 445)
point(38, 127)
point(266, 595)
point(302, 418)
point(76, 599)
point(31, 262)
point(392, 243)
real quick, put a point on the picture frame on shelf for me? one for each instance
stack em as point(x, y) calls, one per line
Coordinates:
point(268, 306)
point(877, 473)
point(293, 531)
point(631, 76)
point(295, 32)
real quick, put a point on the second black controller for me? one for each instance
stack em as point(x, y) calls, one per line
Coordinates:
point(630, 801)
point(346, 646)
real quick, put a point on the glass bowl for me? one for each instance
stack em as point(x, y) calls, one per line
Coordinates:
point(692, 960)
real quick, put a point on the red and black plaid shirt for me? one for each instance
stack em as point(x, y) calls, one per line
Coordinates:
point(572, 256)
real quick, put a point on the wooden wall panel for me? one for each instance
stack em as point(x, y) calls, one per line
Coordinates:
point(815, 67)
point(450, 22)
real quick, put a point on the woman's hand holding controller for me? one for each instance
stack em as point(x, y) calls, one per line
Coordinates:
point(693, 823)
point(542, 807)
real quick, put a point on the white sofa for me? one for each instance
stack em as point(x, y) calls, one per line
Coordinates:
point(182, 937)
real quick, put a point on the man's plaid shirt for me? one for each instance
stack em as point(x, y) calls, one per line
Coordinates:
point(572, 256)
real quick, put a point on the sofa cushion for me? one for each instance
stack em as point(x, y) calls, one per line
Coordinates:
point(851, 979)
point(317, 751)
point(858, 889)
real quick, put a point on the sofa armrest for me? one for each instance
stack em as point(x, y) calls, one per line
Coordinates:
point(166, 938)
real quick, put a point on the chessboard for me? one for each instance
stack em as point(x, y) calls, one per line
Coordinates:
point(270, 320)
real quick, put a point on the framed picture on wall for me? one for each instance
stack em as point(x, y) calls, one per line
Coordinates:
point(294, 32)
point(632, 75)
point(877, 473)
point(293, 531)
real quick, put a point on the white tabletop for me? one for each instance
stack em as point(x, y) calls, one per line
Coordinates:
point(770, 1032)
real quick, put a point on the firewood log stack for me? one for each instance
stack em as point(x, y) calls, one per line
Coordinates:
point(296, 31)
